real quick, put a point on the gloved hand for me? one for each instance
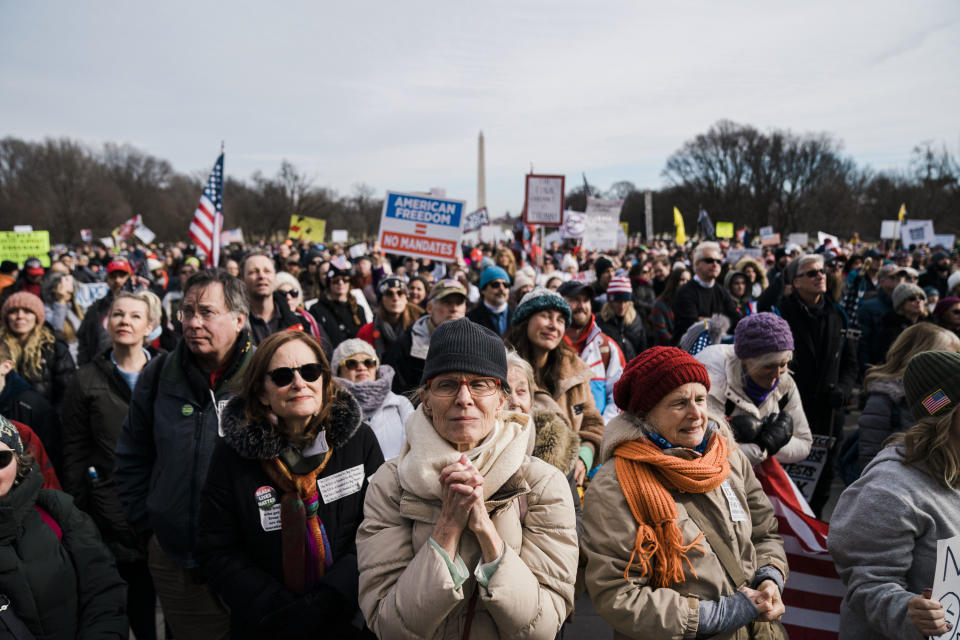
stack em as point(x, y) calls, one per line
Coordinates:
point(745, 427)
point(776, 429)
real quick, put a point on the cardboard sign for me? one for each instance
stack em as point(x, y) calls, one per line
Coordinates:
point(888, 229)
point(916, 232)
point(946, 240)
point(806, 473)
point(724, 229)
point(946, 583)
point(229, 236)
point(601, 224)
point(573, 224)
point(307, 228)
point(338, 235)
point(476, 219)
point(768, 241)
point(799, 239)
point(543, 200)
point(766, 232)
point(734, 255)
point(20, 246)
point(417, 225)
point(823, 237)
point(86, 293)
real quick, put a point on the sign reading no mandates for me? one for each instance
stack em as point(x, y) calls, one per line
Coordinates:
point(419, 225)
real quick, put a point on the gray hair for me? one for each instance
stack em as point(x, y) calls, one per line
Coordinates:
point(802, 262)
point(145, 296)
point(703, 246)
point(234, 293)
point(253, 254)
point(48, 290)
point(514, 360)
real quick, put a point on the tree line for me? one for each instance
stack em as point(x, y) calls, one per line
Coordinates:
point(793, 182)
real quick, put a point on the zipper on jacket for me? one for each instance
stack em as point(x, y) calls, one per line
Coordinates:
point(197, 435)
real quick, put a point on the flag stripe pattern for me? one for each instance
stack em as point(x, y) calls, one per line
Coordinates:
point(813, 591)
point(935, 401)
point(208, 218)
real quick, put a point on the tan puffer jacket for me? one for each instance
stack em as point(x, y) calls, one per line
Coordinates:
point(406, 590)
point(632, 607)
point(575, 399)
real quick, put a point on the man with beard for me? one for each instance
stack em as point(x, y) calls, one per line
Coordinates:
point(494, 311)
point(937, 273)
point(597, 350)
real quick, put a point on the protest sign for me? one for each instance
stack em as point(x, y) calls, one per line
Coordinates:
point(86, 293)
point(20, 246)
point(144, 233)
point(476, 219)
point(766, 232)
point(888, 229)
point(946, 583)
point(822, 238)
point(799, 239)
point(23, 228)
point(600, 224)
point(421, 226)
point(306, 228)
point(491, 233)
point(773, 240)
point(724, 229)
point(338, 235)
point(86, 235)
point(543, 200)
point(106, 241)
point(357, 250)
point(806, 472)
point(734, 255)
point(916, 232)
point(573, 224)
point(231, 235)
point(946, 240)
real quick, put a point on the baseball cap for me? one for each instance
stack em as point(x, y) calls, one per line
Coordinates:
point(447, 287)
point(573, 288)
point(33, 267)
point(118, 265)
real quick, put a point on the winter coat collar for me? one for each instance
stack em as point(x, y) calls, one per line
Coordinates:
point(17, 503)
point(372, 393)
point(556, 442)
point(889, 387)
point(628, 426)
point(258, 441)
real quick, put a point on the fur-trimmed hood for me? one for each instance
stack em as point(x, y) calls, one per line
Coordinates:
point(263, 441)
point(556, 443)
point(887, 386)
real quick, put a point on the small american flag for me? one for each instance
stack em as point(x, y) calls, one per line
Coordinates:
point(208, 218)
point(935, 401)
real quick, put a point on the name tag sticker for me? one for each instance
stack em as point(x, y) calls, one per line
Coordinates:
point(737, 514)
point(341, 485)
point(270, 518)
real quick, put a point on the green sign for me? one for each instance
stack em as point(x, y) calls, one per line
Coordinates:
point(724, 229)
point(20, 246)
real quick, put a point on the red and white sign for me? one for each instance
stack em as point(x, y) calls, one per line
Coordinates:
point(421, 225)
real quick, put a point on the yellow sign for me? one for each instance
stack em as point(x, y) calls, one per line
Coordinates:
point(626, 228)
point(724, 229)
point(20, 246)
point(305, 228)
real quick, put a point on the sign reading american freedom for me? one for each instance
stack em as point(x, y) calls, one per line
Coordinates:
point(420, 225)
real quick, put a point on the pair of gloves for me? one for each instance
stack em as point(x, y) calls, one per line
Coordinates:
point(769, 433)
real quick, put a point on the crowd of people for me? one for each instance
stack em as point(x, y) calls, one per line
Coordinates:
point(299, 442)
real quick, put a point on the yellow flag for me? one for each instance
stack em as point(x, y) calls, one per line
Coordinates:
point(903, 212)
point(678, 223)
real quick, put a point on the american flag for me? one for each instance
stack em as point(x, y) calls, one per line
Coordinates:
point(935, 401)
point(208, 218)
point(813, 591)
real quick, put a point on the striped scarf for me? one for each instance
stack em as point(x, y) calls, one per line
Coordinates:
point(306, 548)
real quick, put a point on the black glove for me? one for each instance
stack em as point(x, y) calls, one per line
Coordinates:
point(776, 429)
point(745, 427)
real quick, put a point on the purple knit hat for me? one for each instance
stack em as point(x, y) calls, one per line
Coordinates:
point(761, 333)
point(944, 304)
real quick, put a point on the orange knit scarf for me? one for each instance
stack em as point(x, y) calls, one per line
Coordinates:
point(645, 472)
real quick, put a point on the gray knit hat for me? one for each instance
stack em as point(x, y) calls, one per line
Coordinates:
point(905, 290)
point(761, 333)
point(540, 299)
point(463, 346)
point(348, 348)
point(931, 383)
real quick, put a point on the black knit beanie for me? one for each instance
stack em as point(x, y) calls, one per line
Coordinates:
point(463, 346)
point(932, 383)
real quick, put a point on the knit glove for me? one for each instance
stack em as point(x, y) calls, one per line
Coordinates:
point(745, 427)
point(776, 429)
point(727, 614)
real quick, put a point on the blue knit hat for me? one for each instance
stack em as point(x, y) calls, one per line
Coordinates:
point(493, 273)
point(540, 299)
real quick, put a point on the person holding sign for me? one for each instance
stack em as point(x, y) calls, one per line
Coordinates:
point(284, 496)
point(680, 540)
point(885, 528)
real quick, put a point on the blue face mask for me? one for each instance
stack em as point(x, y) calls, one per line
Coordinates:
point(157, 330)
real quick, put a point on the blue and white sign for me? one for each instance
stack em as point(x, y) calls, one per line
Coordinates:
point(421, 225)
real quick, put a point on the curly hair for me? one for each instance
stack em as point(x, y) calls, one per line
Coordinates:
point(30, 356)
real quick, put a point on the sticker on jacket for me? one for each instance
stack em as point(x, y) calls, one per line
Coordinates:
point(737, 514)
point(341, 485)
point(266, 499)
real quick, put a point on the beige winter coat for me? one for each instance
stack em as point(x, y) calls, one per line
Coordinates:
point(633, 607)
point(406, 590)
point(726, 383)
point(575, 399)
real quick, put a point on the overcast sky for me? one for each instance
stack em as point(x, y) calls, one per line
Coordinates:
point(393, 94)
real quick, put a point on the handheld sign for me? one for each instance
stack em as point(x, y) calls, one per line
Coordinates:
point(543, 201)
point(418, 225)
point(946, 583)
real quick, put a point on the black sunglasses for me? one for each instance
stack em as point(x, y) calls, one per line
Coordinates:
point(284, 375)
point(6, 457)
point(292, 293)
point(711, 260)
point(813, 273)
point(353, 365)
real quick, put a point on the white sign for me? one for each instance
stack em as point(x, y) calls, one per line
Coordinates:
point(338, 235)
point(358, 250)
point(228, 236)
point(22, 228)
point(341, 485)
point(888, 229)
point(416, 225)
point(806, 473)
point(822, 238)
point(916, 232)
point(799, 239)
point(107, 241)
point(573, 223)
point(543, 202)
point(601, 223)
point(766, 232)
point(491, 233)
point(144, 233)
point(946, 583)
point(946, 240)
point(734, 255)
point(88, 293)
point(476, 219)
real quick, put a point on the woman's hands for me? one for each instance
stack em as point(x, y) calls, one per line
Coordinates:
point(927, 615)
point(579, 472)
point(462, 488)
point(766, 598)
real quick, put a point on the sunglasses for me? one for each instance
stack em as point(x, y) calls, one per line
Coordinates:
point(813, 273)
point(338, 280)
point(394, 293)
point(353, 365)
point(6, 457)
point(711, 260)
point(498, 284)
point(283, 376)
point(915, 298)
point(292, 293)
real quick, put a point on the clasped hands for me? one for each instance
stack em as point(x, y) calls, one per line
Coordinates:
point(767, 599)
point(463, 507)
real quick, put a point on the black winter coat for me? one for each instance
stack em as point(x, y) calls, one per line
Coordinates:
point(407, 369)
point(61, 589)
point(692, 301)
point(337, 319)
point(241, 550)
point(58, 369)
point(631, 339)
point(483, 317)
point(92, 338)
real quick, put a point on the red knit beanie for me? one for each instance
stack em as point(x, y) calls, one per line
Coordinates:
point(653, 374)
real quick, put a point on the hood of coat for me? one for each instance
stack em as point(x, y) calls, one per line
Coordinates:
point(17, 503)
point(262, 441)
point(556, 442)
point(892, 387)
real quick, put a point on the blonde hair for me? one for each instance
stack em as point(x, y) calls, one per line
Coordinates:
point(29, 356)
point(929, 445)
point(607, 313)
point(923, 336)
point(148, 298)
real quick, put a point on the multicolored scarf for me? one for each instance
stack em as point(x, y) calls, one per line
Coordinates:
point(306, 548)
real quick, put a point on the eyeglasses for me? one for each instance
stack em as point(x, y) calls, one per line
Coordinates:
point(498, 284)
point(6, 457)
point(352, 365)
point(814, 273)
point(338, 280)
point(711, 260)
point(394, 293)
point(284, 375)
point(478, 387)
point(292, 293)
point(206, 314)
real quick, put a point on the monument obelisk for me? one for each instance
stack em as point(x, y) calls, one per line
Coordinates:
point(481, 175)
